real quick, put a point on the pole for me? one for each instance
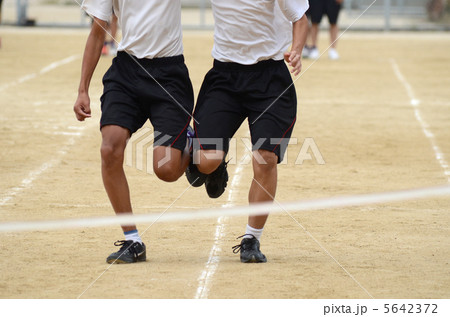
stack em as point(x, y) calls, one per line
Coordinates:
point(22, 6)
point(202, 13)
point(387, 15)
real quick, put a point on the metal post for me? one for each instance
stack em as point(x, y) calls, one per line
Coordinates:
point(22, 6)
point(348, 4)
point(401, 7)
point(387, 15)
point(202, 13)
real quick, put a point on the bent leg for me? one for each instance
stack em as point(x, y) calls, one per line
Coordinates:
point(169, 163)
point(114, 140)
point(207, 161)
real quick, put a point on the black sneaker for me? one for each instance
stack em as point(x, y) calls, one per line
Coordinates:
point(216, 182)
point(129, 252)
point(249, 249)
point(193, 175)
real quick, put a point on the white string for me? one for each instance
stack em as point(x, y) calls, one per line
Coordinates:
point(254, 209)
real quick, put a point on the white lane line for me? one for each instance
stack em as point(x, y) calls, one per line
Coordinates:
point(60, 205)
point(361, 102)
point(27, 181)
point(33, 175)
point(78, 127)
point(415, 103)
point(67, 133)
point(44, 70)
point(57, 64)
point(26, 78)
point(212, 264)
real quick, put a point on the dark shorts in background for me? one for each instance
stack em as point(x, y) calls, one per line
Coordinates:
point(157, 89)
point(263, 93)
point(317, 8)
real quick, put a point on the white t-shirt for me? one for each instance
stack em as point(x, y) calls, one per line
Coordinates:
point(249, 31)
point(150, 28)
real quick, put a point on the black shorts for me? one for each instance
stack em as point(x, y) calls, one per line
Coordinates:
point(263, 93)
point(157, 89)
point(317, 8)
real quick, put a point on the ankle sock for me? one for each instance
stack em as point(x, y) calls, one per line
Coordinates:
point(252, 231)
point(133, 235)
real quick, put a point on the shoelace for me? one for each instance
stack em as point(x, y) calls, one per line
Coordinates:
point(238, 247)
point(125, 246)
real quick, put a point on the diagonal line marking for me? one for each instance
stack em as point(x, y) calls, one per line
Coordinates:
point(415, 103)
point(315, 240)
point(135, 60)
point(270, 106)
point(212, 264)
point(176, 199)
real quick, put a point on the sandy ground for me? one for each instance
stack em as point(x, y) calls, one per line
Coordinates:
point(356, 110)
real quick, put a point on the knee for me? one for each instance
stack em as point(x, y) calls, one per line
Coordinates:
point(208, 161)
point(166, 172)
point(208, 166)
point(111, 155)
point(264, 162)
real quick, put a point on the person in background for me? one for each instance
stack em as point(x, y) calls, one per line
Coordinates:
point(110, 45)
point(1, 2)
point(317, 9)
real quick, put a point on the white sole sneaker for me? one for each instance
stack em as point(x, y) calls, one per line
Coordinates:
point(333, 54)
point(314, 53)
point(305, 52)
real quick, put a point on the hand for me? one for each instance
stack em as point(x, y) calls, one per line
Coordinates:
point(82, 107)
point(339, 1)
point(293, 58)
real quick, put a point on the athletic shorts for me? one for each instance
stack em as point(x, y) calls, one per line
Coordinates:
point(157, 89)
point(317, 8)
point(263, 93)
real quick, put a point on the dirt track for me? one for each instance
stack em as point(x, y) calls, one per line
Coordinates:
point(357, 112)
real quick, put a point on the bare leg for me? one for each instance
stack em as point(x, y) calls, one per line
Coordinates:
point(314, 34)
point(264, 185)
point(169, 163)
point(207, 161)
point(309, 37)
point(334, 31)
point(114, 179)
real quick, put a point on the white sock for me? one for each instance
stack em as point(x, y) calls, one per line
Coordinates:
point(133, 235)
point(255, 232)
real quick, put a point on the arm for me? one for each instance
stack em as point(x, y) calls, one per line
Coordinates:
point(299, 33)
point(92, 52)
